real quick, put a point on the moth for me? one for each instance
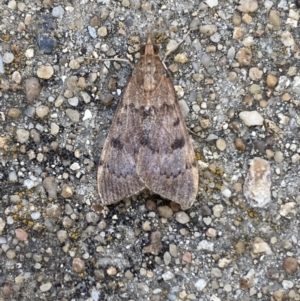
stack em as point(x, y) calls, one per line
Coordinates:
point(148, 145)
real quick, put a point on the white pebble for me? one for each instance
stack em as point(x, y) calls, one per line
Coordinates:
point(167, 275)
point(8, 57)
point(29, 183)
point(12, 176)
point(212, 3)
point(35, 215)
point(75, 166)
point(200, 284)
point(87, 115)
point(251, 118)
point(73, 101)
point(58, 11)
point(181, 217)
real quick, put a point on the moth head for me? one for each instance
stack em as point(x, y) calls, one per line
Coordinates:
point(149, 49)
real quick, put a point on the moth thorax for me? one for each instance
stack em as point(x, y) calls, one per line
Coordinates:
point(149, 82)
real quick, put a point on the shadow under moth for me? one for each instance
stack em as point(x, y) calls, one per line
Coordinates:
point(148, 145)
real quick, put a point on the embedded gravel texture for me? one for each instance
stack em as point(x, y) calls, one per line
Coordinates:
point(237, 76)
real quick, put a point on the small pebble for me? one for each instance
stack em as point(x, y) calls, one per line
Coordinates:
point(181, 217)
point(2, 70)
point(54, 128)
point(53, 211)
point(217, 210)
point(73, 101)
point(212, 3)
point(32, 89)
point(239, 144)
point(12, 5)
point(173, 250)
point(78, 265)
point(66, 191)
point(208, 30)
point(187, 257)
point(260, 246)
point(240, 247)
point(50, 185)
point(73, 115)
point(11, 254)
point(271, 80)
point(17, 77)
point(46, 45)
point(12, 177)
point(87, 115)
point(251, 118)
point(58, 11)
point(74, 64)
point(167, 258)
point(111, 271)
point(92, 217)
point(106, 99)
point(21, 234)
point(211, 232)
point(274, 18)
point(2, 225)
point(221, 144)
point(167, 276)
point(146, 226)
point(257, 186)
point(28, 183)
point(155, 244)
point(278, 157)
point(22, 135)
point(102, 31)
point(205, 245)
point(8, 57)
point(255, 74)
point(181, 58)
point(287, 39)
point(290, 265)
point(42, 111)
point(165, 211)
point(248, 6)
point(244, 56)
point(45, 72)
point(135, 4)
point(46, 287)
point(200, 285)
point(14, 113)
point(35, 215)
point(216, 273)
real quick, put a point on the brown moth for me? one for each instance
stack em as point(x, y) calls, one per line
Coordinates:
point(148, 145)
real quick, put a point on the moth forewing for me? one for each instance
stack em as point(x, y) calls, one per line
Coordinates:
point(148, 145)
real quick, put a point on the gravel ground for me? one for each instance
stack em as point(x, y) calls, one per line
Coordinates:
point(238, 83)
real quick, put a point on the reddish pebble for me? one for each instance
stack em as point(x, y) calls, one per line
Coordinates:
point(7, 291)
point(21, 234)
point(187, 257)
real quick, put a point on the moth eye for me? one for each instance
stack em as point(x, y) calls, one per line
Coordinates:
point(155, 48)
point(142, 50)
